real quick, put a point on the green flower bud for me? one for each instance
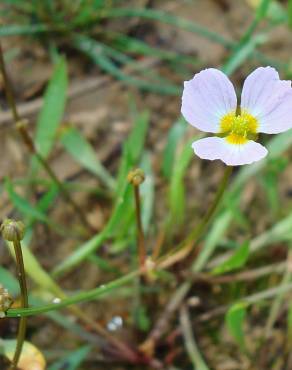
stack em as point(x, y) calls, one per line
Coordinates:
point(5, 301)
point(12, 230)
point(136, 177)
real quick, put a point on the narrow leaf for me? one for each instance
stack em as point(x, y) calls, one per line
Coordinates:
point(234, 319)
point(174, 136)
point(73, 360)
point(22, 205)
point(81, 150)
point(52, 110)
point(236, 261)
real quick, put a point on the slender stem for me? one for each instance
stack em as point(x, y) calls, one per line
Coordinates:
point(97, 292)
point(276, 305)
point(30, 145)
point(158, 245)
point(198, 231)
point(182, 251)
point(140, 232)
point(190, 342)
point(77, 298)
point(187, 246)
point(65, 193)
point(24, 303)
point(8, 87)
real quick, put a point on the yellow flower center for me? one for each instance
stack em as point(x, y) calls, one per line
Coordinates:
point(238, 129)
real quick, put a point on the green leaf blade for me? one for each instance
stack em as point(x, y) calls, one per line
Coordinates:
point(52, 111)
point(236, 261)
point(234, 319)
point(80, 149)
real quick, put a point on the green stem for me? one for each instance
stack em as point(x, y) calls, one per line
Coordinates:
point(192, 239)
point(24, 303)
point(140, 232)
point(104, 289)
point(276, 305)
point(65, 193)
point(78, 298)
point(30, 145)
point(190, 342)
point(195, 235)
point(8, 87)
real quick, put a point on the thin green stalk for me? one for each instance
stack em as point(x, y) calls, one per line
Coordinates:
point(195, 235)
point(8, 87)
point(21, 126)
point(136, 178)
point(77, 298)
point(140, 232)
point(290, 13)
point(24, 303)
point(45, 281)
point(97, 292)
point(14, 231)
point(250, 299)
point(29, 143)
point(192, 239)
point(276, 305)
point(190, 342)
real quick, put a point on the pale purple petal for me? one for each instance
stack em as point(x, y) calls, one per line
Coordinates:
point(231, 154)
point(269, 99)
point(206, 98)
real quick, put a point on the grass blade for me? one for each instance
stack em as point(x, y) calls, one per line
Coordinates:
point(174, 136)
point(234, 318)
point(161, 16)
point(80, 149)
point(290, 13)
point(236, 261)
point(99, 55)
point(52, 110)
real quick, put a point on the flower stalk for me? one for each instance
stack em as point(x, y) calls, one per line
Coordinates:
point(195, 235)
point(13, 231)
point(186, 247)
point(21, 127)
point(136, 178)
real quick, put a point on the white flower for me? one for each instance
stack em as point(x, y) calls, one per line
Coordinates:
point(209, 103)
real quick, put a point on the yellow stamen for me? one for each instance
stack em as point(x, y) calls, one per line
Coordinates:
point(238, 129)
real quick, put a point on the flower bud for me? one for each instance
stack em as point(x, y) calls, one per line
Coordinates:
point(5, 301)
point(12, 230)
point(136, 177)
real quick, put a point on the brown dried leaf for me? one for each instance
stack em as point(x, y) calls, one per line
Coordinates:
point(31, 357)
